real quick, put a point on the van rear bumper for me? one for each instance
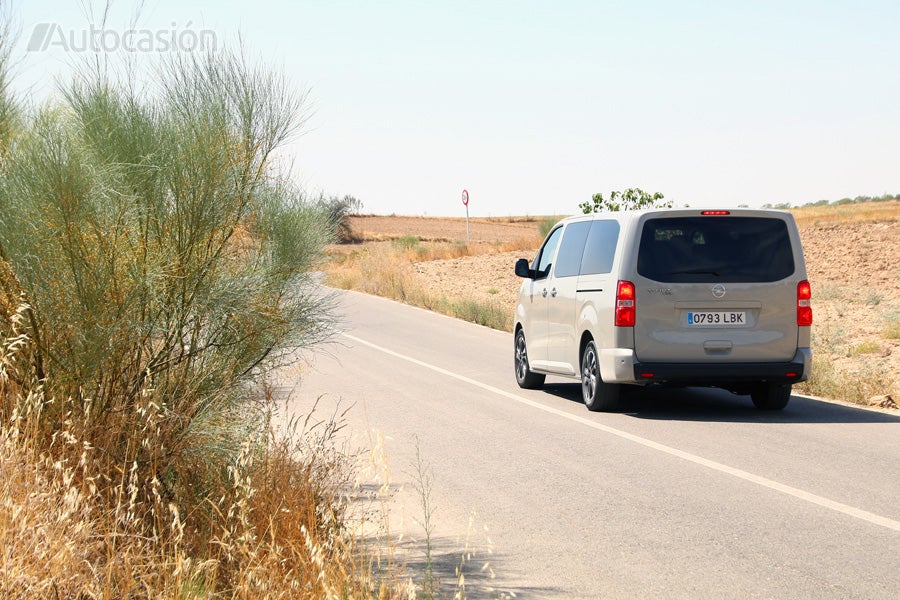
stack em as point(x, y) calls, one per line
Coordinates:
point(793, 371)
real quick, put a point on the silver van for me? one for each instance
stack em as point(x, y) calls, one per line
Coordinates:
point(678, 297)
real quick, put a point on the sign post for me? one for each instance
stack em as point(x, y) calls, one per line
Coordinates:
point(465, 199)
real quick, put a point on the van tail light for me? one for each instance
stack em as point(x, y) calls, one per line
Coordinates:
point(804, 307)
point(625, 314)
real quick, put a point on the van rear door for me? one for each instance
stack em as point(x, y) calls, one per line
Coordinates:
point(717, 286)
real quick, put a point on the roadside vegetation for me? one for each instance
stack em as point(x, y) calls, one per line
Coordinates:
point(155, 275)
point(855, 343)
point(339, 210)
point(546, 225)
point(389, 270)
point(876, 210)
point(870, 201)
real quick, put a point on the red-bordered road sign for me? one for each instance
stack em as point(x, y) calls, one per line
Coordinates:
point(465, 197)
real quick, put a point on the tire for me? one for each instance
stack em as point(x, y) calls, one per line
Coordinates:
point(598, 396)
point(524, 376)
point(771, 396)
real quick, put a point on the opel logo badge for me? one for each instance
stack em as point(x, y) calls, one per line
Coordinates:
point(718, 290)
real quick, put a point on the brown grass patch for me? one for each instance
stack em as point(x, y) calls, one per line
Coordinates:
point(78, 522)
point(862, 212)
point(391, 270)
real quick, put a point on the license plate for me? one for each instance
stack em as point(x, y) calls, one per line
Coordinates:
point(713, 318)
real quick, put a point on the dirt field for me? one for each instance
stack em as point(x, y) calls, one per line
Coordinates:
point(380, 228)
point(853, 260)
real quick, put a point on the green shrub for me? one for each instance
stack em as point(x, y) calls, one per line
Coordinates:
point(338, 211)
point(546, 225)
point(488, 314)
point(829, 381)
point(407, 242)
point(158, 270)
point(868, 347)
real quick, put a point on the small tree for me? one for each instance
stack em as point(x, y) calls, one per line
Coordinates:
point(338, 211)
point(630, 199)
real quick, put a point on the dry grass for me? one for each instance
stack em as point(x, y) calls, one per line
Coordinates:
point(854, 356)
point(283, 523)
point(856, 385)
point(75, 523)
point(374, 228)
point(74, 526)
point(867, 347)
point(387, 270)
point(891, 329)
point(843, 213)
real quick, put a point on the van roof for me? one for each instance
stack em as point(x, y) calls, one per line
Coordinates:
point(629, 215)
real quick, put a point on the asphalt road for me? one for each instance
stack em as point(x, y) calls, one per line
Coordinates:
point(684, 494)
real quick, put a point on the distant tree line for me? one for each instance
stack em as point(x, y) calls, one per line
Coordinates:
point(856, 200)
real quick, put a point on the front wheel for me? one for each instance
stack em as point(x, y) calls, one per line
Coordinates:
point(524, 376)
point(771, 396)
point(598, 396)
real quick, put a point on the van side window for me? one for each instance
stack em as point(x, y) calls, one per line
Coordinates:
point(568, 261)
point(545, 255)
point(600, 249)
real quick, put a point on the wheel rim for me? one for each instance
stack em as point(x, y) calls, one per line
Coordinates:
point(521, 357)
point(589, 375)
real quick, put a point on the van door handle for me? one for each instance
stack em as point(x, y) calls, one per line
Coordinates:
point(553, 292)
point(544, 293)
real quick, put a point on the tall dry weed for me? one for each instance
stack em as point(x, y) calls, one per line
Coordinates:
point(382, 270)
point(75, 524)
point(387, 270)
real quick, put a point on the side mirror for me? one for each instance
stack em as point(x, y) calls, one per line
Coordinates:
point(523, 270)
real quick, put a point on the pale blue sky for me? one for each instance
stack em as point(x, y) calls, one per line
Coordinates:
point(535, 105)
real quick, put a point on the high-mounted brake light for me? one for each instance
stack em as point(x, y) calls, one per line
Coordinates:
point(715, 213)
point(804, 307)
point(625, 309)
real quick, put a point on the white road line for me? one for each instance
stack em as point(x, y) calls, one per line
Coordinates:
point(699, 460)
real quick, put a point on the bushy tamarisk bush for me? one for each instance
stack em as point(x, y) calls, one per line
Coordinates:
point(155, 267)
point(157, 250)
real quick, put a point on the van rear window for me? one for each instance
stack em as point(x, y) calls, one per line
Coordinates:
point(715, 250)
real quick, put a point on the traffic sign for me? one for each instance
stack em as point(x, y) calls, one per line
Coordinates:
point(465, 196)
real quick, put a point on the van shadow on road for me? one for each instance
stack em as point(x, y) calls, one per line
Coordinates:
point(715, 405)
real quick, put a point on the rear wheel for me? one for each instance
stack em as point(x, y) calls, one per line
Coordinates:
point(524, 376)
point(771, 396)
point(598, 396)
